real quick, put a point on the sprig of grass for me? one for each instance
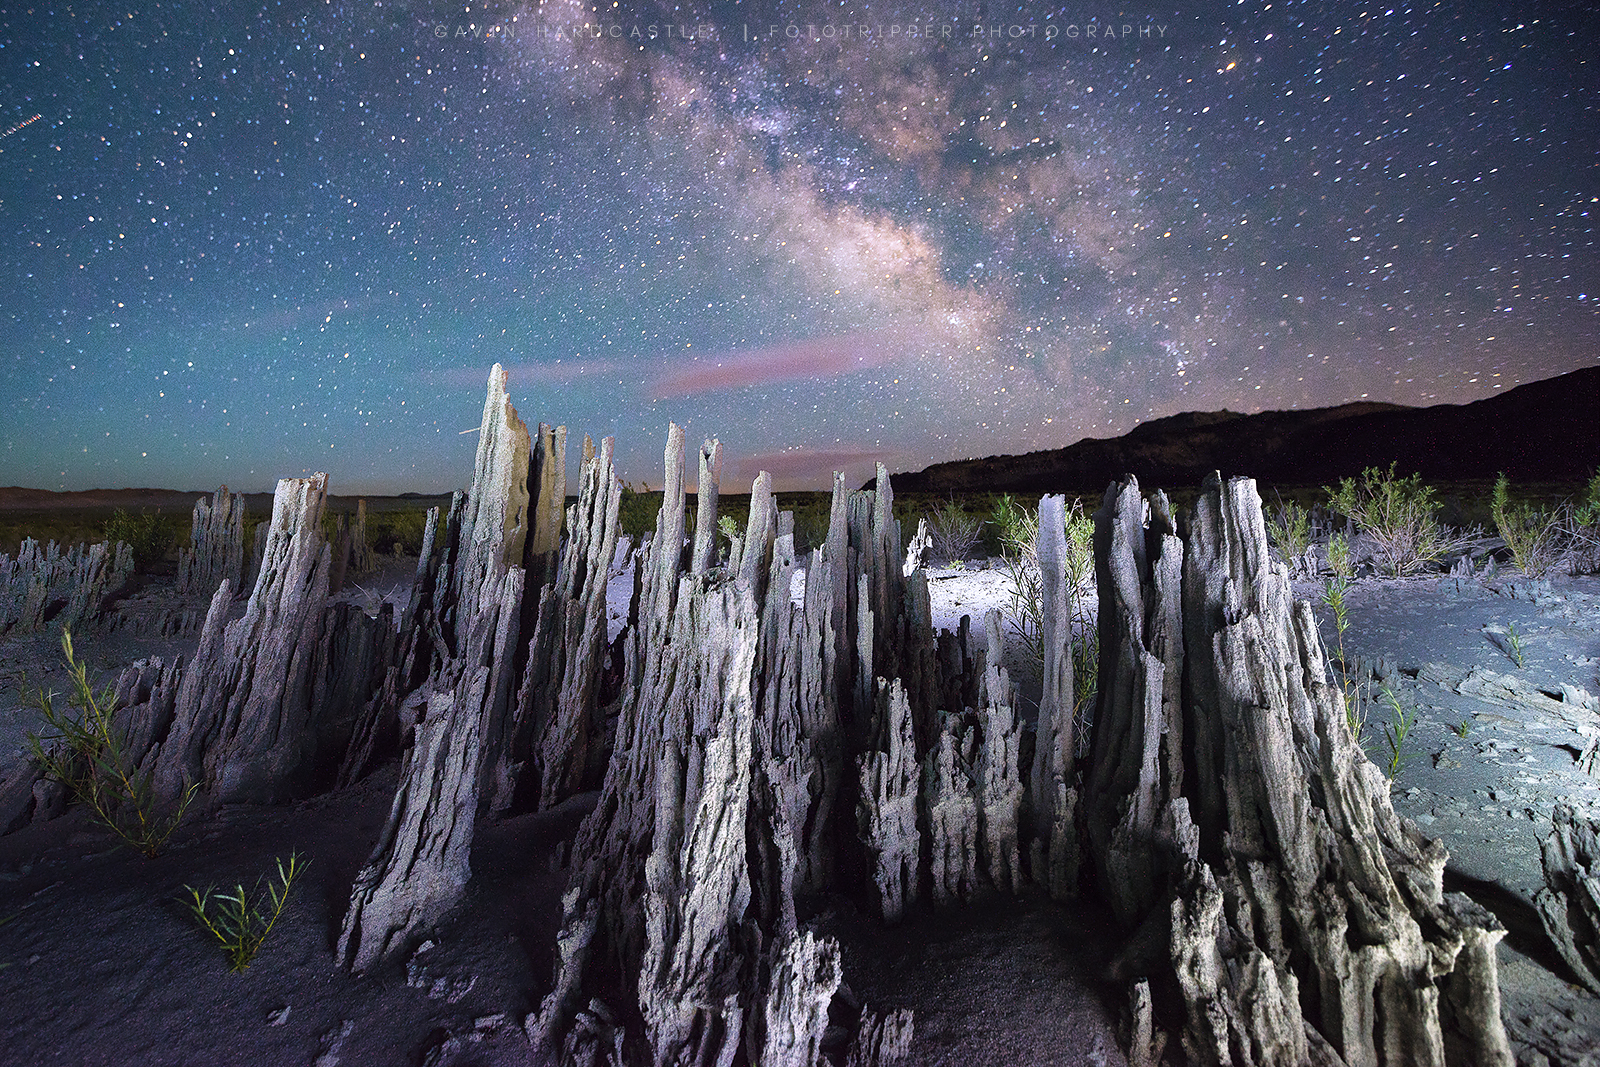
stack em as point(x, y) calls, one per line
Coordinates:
point(1514, 647)
point(1354, 708)
point(1462, 728)
point(1396, 732)
point(89, 755)
point(242, 922)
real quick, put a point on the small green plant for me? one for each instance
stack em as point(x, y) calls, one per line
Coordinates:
point(1339, 558)
point(1354, 706)
point(1533, 534)
point(1399, 515)
point(240, 921)
point(1396, 732)
point(89, 755)
point(1462, 728)
point(1587, 511)
point(1514, 647)
point(1289, 526)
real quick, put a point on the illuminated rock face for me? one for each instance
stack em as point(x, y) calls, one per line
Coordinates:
point(243, 724)
point(216, 545)
point(419, 868)
point(1303, 918)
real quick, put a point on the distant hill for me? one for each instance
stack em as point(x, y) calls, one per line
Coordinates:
point(1542, 431)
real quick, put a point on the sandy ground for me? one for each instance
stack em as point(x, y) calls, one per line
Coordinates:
point(102, 962)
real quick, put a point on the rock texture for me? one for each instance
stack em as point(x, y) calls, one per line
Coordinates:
point(1569, 903)
point(739, 743)
point(557, 705)
point(1305, 921)
point(216, 545)
point(65, 588)
point(419, 867)
point(243, 724)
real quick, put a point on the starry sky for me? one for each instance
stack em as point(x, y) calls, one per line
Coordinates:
point(241, 242)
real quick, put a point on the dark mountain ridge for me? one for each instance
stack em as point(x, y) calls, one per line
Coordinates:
point(1547, 431)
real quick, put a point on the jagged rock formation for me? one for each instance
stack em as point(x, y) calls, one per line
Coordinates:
point(243, 724)
point(48, 585)
point(999, 791)
point(1569, 903)
point(726, 785)
point(1304, 921)
point(216, 545)
point(888, 807)
point(557, 703)
point(1055, 797)
point(419, 867)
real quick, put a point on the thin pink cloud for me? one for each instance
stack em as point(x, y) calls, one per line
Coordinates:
point(820, 357)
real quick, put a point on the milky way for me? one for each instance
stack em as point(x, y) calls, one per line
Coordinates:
point(245, 244)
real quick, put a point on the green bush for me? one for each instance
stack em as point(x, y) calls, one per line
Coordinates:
point(1289, 526)
point(240, 921)
point(1533, 534)
point(636, 513)
point(385, 529)
point(150, 536)
point(1587, 510)
point(89, 754)
point(1399, 515)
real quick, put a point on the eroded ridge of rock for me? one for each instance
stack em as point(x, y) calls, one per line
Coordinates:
point(727, 736)
point(216, 545)
point(1569, 903)
point(418, 869)
point(887, 811)
point(64, 588)
point(243, 721)
point(1136, 763)
point(695, 972)
point(1306, 922)
point(1055, 794)
point(999, 767)
point(557, 703)
point(494, 522)
point(547, 487)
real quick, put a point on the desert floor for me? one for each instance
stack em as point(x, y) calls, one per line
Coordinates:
point(102, 962)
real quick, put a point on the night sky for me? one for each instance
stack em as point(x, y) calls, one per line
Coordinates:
point(246, 242)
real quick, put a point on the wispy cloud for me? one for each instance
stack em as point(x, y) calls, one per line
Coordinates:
point(819, 357)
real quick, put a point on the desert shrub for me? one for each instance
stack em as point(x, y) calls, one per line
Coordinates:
point(1533, 534)
point(1586, 510)
point(1289, 526)
point(88, 753)
point(241, 921)
point(150, 536)
point(955, 533)
point(385, 529)
point(1399, 515)
point(636, 514)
